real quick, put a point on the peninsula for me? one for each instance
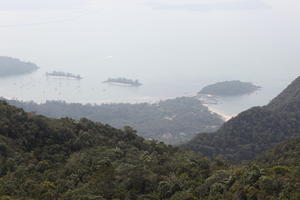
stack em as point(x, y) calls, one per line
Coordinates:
point(12, 66)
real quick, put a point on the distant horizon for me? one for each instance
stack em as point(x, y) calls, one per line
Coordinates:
point(173, 52)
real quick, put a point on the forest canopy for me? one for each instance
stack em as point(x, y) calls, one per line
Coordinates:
point(255, 130)
point(172, 121)
point(66, 159)
point(229, 88)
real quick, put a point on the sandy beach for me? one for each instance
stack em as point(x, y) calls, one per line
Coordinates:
point(224, 116)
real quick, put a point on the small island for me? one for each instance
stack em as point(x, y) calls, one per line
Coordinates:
point(229, 88)
point(63, 75)
point(12, 66)
point(123, 82)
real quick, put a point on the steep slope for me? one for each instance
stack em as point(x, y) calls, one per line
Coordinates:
point(66, 159)
point(45, 158)
point(290, 95)
point(255, 130)
point(286, 153)
point(275, 175)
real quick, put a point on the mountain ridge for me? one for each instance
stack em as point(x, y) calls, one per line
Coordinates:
point(172, 121)
point(289, 95)
point(255, 130)
point(66, 159)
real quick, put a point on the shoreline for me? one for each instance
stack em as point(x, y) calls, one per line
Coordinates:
point(208, 100)
point(141, 100)
point(148, 100)
point(224, 116)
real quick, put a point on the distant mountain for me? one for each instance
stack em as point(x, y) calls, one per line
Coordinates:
point(12, 66)
point(255, 130)
point(66, 159)
point(172, 121)
point(229, 88)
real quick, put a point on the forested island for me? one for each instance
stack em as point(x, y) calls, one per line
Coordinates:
point(229, 88)
point(172, 121)
point(12, 66)
point(123, 82)
point(63, 75)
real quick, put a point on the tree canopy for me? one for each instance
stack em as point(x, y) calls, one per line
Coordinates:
point(255, 130)
point(66, 159)
point(172, 121)
point(229, 88)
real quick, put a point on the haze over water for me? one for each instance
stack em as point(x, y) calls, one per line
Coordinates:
point(174, 47)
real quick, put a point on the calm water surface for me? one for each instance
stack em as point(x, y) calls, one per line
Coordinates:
point(173, 47)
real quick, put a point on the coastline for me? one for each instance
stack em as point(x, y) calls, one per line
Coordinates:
point(141, 100)
point(224, 116)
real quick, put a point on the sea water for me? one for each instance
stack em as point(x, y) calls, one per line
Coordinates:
point(173, 47)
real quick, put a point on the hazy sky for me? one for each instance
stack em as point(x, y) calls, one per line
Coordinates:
point(196, 5)
point(40, 4)
point(205, 6)
point(150, 35)
point(173, 46)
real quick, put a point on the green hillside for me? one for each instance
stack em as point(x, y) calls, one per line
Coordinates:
point(290, 95)
point(44, 158)
point(255, 130)
point(286, 153)
point(65, 159)
point(172, 121)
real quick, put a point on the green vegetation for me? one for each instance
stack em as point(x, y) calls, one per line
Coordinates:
point(11, 66)
point(66, 159)
point(255, 130)
point(172, 121)
point(291, 95)
point(63, 75)
point(69, 159)
point(284, 154)
point(229, 88)
point(124, 81)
